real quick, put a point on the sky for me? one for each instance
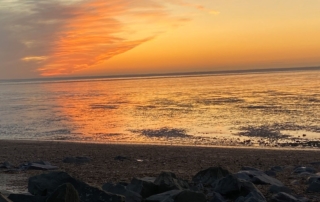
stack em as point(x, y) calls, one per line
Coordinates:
point(56, 38)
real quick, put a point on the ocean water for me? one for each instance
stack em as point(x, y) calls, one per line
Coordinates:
point(265, 109)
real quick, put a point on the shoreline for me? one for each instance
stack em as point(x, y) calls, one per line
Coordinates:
point(124, 143)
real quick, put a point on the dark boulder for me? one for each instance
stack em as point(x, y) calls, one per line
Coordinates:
point(314, 186)
point(284, 197)
point(232, 187)
point(6, 165)
point(258, 177)
point(190, 196)
point(168, 196)
point(276, 189)
point(26, 198)
point(249, 168)
point(177, 196)
point(277, 168)
point(302, 169)
point(210, 175)
point(121, 190)
point(38, 165)
point(3, 198)
point(252, 197)
point(217, 198)
point(45, 184)
point(143, 186)
point(64, 193)
point(167, 181)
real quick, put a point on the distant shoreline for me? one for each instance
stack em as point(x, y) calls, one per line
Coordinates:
point(158, 75)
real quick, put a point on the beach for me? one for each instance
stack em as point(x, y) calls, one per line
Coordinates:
point(147, 160)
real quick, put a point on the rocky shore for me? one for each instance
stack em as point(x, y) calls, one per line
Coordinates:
point(60, 171)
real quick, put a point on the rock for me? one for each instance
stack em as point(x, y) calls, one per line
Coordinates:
point(210, 175)
point(258, 177)
point(313, 179)
point(45, 184)
point(315, 163)
point(276, 189)
point(64, 193)
point(249, 168)
point(164, 197)
point(121, 190)
point(39, 165)
point(304, 169)
point(232, 187)
point(6, 165)
point(5, 193)
point(217, 198)
point(314, 187)
point(26, 198)
point(143, 186)
point(190, 196)
point(167, 181)
point(270, 173)
point(277, 168)
point(4, 199)
point(283, 197)
point(177, 196)
point(252, 197)
point(114, 188)
point(121, 158)
point(77, 160)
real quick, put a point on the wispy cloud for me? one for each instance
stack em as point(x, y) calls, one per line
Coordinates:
point(55, 38)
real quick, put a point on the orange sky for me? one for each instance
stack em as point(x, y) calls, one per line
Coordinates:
point(98, 37)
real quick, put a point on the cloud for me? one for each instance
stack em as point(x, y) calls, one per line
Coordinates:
point(55, 38)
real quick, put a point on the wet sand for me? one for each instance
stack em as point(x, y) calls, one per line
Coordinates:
point(145, 160)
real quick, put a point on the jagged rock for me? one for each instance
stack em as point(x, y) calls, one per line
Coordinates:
point(217, 198)
point(283, 197)
point(249, 168)
point(258, 177)
point(39, 165)
point(304, 169)
point(26, 198)
point(190, 196)
point(45, 184)
point(77, 160)
point(277, 168)
point(167, 181)
point(121, 158)
point(64, 193)
point(314, 187)
point(270, 173)
point(121, 190)
point(313, 179)
point(252, 197)
point(4, 199)
point(143, 186)
point(6, 165)
point(164, 197)
point(210, 175)
point(177, 196)
point(232, 187)
point(315, 163)
point(276, 189)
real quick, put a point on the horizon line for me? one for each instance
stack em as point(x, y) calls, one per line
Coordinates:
point(164, 75)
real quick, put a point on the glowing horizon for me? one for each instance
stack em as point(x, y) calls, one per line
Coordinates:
point(94, 37)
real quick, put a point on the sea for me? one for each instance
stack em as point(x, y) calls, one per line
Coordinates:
point(257, 109)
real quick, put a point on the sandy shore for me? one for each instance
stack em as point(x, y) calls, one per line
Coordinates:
point(145, 160)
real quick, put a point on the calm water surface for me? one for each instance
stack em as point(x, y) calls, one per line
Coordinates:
point(253, 109)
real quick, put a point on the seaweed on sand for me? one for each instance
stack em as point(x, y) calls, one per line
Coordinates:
point(163, 132)
point(263, 132)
